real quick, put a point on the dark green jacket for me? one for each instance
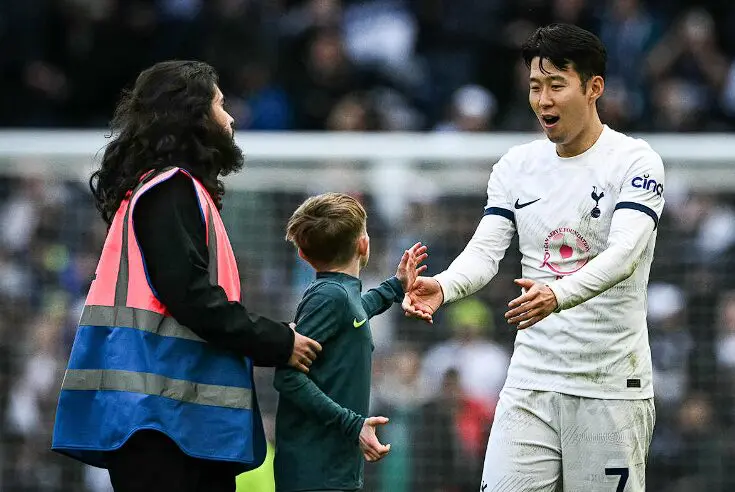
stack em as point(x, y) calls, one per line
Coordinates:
point(320, 415)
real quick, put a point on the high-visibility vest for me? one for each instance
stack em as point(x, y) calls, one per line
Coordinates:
point(133, 366)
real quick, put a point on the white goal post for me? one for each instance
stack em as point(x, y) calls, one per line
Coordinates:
point(454, 162)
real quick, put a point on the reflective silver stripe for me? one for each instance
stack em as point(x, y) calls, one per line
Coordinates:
point(123, 272)
point(212, 247)
point(121, 288)
point(153, 384)
point(139, 319)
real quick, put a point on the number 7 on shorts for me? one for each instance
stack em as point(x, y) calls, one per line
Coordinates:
point(623, 473)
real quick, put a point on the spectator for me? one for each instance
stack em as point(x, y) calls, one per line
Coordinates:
point(327, 77)
point(257, 101)
point(629, 32)
point(480, 363)
point(693, 67)
point(347, 65)
point(352, 113)
point(439, 463)
point(398, 395)
point(671, 344)
point(473, 109)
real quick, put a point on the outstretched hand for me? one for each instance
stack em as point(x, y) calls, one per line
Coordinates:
point(535, 304)
point(371, 447)
point(410, 266)
point(423, 299)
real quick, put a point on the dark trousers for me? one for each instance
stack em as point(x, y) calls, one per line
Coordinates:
point(151, 462)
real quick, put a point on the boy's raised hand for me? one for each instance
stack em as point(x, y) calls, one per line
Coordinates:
point(371, 447)
point(410, 266)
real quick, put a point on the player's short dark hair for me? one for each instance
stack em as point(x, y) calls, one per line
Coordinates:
point(567, 46)
point(326, 228)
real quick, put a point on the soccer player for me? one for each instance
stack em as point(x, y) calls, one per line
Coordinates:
point(576, 412)
point(321, 432)
point(159, 388)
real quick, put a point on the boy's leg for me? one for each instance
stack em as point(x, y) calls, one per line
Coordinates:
point(605, 444)
point(524, 450)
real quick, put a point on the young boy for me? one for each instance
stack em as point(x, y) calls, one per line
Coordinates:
point(321, 432)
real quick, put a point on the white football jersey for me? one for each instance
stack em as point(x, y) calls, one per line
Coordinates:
point(561, 209)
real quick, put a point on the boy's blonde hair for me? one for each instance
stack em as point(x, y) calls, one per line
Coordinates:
point(326, 228)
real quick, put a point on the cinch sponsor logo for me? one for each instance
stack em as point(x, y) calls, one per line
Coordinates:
point(648, 184)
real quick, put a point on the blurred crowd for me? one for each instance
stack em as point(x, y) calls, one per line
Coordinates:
point(427, 65)
point(341, 65)
point(437, 383)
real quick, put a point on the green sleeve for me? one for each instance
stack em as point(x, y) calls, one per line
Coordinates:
point(379, 299)
point(301, 391)
point(319, 318)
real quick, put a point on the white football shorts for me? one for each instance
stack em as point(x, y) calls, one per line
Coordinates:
point(543, 441)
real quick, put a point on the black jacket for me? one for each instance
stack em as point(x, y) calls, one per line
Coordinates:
point(172, 238)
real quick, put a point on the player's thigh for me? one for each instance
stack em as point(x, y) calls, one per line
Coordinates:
point(605, 444)
point(524, 450)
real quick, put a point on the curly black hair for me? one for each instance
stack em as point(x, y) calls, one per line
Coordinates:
point(165, 120)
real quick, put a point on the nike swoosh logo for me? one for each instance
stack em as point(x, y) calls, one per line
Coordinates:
point(358, 324)
point(521, 205)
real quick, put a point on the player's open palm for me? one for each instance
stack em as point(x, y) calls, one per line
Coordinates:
point(371, 447)
point(537, 302)
point(423, 299)
point(410, 266)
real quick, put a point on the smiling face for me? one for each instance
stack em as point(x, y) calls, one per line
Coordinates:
point(564, 105)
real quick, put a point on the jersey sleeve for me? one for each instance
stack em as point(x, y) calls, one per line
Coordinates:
point(643, 187)
point(630, 232)
point(498, 198)
point(478, 263)
point(379, 299)
point(303, 392)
